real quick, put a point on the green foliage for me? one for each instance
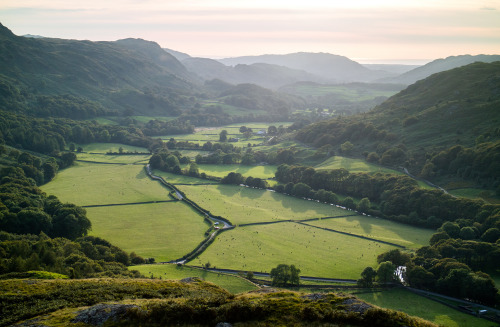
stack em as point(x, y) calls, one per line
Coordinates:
point(284, 275)
point(385, 272)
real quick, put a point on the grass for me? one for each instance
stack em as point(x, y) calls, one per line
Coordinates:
point(354, 166)
point(242, 205)
point(231, 283)
point(118, 159)
point(181, 179)
point(254, 171)
point(476, 193)
point(164, 231)
point(381, 229)
point(113, 147)
point(91, 184)
point(415, 305)
point(316, 252)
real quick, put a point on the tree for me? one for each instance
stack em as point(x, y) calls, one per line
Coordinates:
point(272, 130)
point(385, 272)
point(284, 275)
point(364, 205)
point(367, 277)
point(193, 170)
point(223, 136)
point(243, 129)
point(346, 147)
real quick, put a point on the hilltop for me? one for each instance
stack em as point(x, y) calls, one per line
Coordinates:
point(127, 74)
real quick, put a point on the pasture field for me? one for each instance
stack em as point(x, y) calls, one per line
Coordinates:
point(380, 229)
point(181, 179)
point(164, 231)
point(243, 205)
point(315, 252)
point(354, 166)
point(415, 305)
point(92, 184)
point(263, 172)
point(113, 147)
point(231, 283)
point(118, 159)
point(146, 119)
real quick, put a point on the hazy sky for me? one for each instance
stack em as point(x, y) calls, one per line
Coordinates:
point(362, 30)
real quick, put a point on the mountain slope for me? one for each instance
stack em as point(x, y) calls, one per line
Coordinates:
point(99, 71)
point(456, 107)
point(439, 65)
point(334, 68)
point(265, 75)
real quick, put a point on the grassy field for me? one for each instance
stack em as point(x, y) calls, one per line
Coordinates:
point(91, 184)
point(254, 171)
point(113, 147)
point(314, 251)
point(354, 166)
point(412, 304)
point(118, 159)
point(380, 229)
point(164, 231)
point(242, 205)
point(233, 284)
point(181, 179)
point(476, 193)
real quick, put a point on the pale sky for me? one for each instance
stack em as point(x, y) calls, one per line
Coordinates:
point(363, 30)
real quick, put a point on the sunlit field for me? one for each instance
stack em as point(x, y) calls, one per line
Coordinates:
point(316, 252)
point(164, 231)
point(231, 283)
point(93, 184)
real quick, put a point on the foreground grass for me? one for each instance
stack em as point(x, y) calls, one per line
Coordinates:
point(316, 252)
point(412, 304)
point(164, 231)
point(231, 283)
point(242, 205)
point(380, 229)
point(92, 184)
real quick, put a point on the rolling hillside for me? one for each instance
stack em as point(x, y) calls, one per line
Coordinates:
point(133, 74)
point(439, 65)
point(455, 107)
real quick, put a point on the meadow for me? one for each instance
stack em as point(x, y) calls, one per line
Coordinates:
point(107, 147)
point(263, 172)
point(231, 283)
point(354, 166)
point(117, 159)
point(164, 231)
point(415, 305)
point(314, 251)
point(94, 184)
point(380, 229)
point(243, 205)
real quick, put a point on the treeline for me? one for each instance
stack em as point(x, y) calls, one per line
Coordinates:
point(398, 196)
point(25, 209)
point(41, 171)
point(46, 135)
point(480, 163)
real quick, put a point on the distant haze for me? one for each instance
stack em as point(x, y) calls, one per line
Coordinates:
point(388, 30)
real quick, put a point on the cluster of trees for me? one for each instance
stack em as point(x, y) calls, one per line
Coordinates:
point(480, 163)
point(157, 127)
point(435, 268)
point(67, 106)
point(47, 135)
point(285, 275)
point(83, 257)
point(397, 197)
point(40, 170)
point(238, 179)
point(25, 209)
point(165, 160)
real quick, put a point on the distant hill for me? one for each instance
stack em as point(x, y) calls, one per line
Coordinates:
point(333, 68)
point(437, 66)
point(130, 74)
point(265, 75)
point(177, 54)
point(456, 107)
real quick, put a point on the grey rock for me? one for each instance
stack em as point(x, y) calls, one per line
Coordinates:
point(98, 314)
